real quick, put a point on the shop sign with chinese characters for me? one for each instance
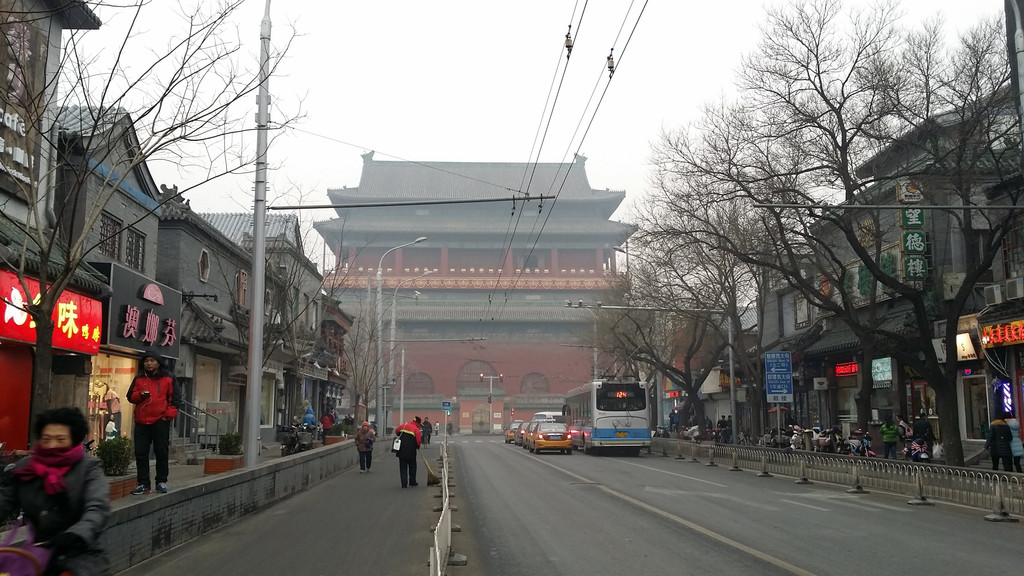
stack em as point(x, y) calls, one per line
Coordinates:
point(141, 313)
point(1006, 334)
point(77, 319)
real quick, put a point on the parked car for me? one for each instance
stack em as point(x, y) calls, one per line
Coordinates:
point(576, 436)
point(528, 433)
point(520, 433)
point(551, 436)
point(510, 432)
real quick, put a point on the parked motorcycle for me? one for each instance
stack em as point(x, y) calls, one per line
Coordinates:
point(298, 437)
point(860, 444)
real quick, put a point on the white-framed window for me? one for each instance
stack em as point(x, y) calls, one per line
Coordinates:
point(204, 265)
point(110, 236)
point(135, 249)
point(242, 288)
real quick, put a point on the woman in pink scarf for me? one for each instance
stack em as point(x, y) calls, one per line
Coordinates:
point(63, 495)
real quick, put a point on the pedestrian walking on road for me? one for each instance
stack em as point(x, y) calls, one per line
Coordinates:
point(156, 397)
point(364, 446)
point(998, 443)
point(1016, 447)
point(408, 451)
point(63, 494)
point(890, 436)
point(427, 430)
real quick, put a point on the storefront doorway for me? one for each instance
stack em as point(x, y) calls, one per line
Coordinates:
point(108, 391)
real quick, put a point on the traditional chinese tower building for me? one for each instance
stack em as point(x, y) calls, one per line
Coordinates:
point(485, 292)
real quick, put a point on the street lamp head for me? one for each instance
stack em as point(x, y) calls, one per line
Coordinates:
point(568, 303)
point(580, 303)
point(420, 239)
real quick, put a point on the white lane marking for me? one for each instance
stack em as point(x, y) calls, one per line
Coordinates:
point(805, 505)
point(718, 495)
point(675, 474)
point(760, 555)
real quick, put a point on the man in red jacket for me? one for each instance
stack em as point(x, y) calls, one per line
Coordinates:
point(410, 435)
point(156, 397)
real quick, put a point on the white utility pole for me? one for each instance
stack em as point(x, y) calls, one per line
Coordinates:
point(251, 447)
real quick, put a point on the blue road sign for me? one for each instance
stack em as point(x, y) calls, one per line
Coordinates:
point(778, 377)
point(445, 405)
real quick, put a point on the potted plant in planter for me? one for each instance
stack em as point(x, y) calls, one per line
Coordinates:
point(336, 434)
point(116, 455)
point(228, 457)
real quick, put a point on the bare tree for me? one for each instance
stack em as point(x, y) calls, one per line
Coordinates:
point(832, 110)
point(184, 102)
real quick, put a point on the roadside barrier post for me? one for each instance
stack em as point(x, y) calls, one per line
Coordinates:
point(920, 500)
point(764, 468)
point(857, 488)
point(999, 513)
point(735, 462)
point(803, 474)
point(711, 457)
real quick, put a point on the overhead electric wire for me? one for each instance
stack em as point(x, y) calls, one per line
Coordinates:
point(513, 227)
point(547, 216)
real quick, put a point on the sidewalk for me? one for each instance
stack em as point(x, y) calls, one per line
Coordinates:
point(349, 523)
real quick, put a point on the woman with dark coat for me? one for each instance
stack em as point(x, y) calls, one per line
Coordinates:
point(62, 494)
point(998, 443)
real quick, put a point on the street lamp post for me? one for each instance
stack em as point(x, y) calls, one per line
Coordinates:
point(490, 397)
point(391, 345)
point(593, 348)
point(381, 425)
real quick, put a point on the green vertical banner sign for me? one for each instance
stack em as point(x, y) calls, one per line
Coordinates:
point(911, 218)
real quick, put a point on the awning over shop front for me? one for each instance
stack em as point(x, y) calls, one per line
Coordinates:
point(840, 338)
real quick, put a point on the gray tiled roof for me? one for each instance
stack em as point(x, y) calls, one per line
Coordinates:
point(466, 180)
point(84, 120)
point(238, 226)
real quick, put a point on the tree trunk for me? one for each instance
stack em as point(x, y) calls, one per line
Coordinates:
point(42, 369)
point(946, 405)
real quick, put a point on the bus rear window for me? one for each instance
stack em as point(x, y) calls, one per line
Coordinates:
point(621, 397)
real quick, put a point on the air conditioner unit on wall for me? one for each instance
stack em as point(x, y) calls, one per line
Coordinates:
point(993, 294)
point(1014, 289)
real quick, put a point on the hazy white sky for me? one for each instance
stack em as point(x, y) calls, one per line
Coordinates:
point(467, 80)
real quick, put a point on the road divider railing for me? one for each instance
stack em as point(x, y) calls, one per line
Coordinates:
point(1001, 492)
point(442, 548)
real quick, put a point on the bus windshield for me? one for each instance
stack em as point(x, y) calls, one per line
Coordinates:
point(621, 397)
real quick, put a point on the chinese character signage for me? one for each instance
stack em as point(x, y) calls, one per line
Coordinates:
point(914, 242)
point(1006, 334)
point(77, 319)
point(140, 314)
point(912, 218)
point(915, 268)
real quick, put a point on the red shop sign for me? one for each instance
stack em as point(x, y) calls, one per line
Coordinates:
point(846, 369)
point(76, 318)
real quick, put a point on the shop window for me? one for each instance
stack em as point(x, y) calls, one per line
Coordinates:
point(110, 236)
point(108, 388)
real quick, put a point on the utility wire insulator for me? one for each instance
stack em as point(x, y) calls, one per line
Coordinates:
point(568, 43)
point(611, 63)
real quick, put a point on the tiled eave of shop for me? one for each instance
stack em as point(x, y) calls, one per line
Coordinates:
point(840, 338)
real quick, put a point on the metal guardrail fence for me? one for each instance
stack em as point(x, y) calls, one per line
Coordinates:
point(443, 530)
point(984, 489)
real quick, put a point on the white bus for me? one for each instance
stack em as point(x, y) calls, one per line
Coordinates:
point(610, 414)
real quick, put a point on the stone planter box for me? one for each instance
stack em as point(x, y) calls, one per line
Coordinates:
point(217, 463)
point(328, 440)
point(121, 486)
